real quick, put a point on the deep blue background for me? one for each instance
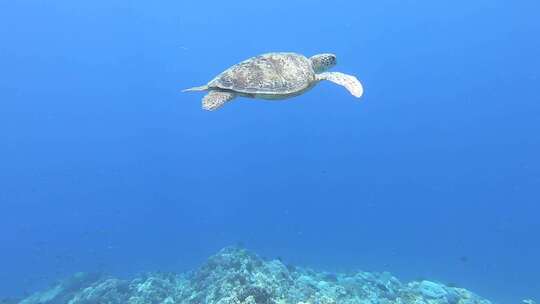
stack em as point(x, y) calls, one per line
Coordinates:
point(434, 174)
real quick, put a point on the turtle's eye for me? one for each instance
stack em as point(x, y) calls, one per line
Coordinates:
point(331, 60)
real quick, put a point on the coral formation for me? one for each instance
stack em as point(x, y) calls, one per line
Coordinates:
point(237, 276)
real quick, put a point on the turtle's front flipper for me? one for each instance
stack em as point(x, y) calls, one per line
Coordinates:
point(348, 81)
point(215, 99)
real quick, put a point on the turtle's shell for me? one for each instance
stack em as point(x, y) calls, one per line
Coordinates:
point(272, 73)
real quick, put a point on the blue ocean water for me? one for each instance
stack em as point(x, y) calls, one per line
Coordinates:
point(434, 173)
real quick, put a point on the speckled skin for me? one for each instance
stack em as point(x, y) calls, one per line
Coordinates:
point(268, 76)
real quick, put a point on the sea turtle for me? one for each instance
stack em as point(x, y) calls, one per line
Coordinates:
point(274, 76)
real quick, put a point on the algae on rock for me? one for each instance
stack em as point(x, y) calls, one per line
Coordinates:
point(238, 276)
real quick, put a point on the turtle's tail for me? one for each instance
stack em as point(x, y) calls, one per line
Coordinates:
point(201, 88)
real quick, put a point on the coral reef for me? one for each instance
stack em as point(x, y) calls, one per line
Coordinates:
point(237, 276)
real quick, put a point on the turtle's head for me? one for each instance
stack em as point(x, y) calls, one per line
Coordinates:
point(323, 62)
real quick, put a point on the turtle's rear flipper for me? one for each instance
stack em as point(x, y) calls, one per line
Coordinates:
point(201, 88)
point(348, 81)
point(215, 99)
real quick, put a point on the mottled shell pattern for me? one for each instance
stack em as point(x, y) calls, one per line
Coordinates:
point(272, 73)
